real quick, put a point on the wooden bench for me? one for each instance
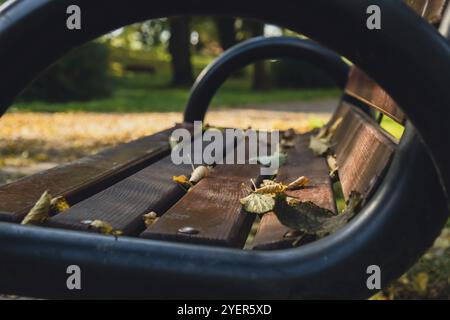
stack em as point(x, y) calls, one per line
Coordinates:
point(122, 184)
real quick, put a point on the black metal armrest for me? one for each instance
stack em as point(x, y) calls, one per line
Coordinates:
point(260, 48)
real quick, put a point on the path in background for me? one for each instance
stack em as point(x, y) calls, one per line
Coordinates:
point(31, 142)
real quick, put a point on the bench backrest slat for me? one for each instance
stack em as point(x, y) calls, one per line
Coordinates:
point(363, 150)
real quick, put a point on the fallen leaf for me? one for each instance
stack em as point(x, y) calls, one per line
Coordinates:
point(319, 146)
point(267, 182)
point(58, 205)
point(257, 203)
point(150, 218)
point(309, 218)
point(271, 188)
point(422, 281)
point(40, 211)
point(298, 183)
point(292, 201)
point(104, 227)
point(183, 180)
point(199, 173)
point(323, 140)
point(332, 164)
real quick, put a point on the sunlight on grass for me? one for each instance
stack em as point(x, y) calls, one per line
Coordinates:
point(392, 127)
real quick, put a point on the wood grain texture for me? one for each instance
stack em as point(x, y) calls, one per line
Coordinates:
point(212, 208)
point(123, 204)
point(363, 151)
point(364, 89)
point(271, 234)
point(431, 10)
point(82, 178)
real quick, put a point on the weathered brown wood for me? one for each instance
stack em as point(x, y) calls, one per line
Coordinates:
point(211, 209)
point(364, 89)
point(84, 177)
point(123, 204)
point(431, 10)
point(361, 87)
point(271, 234)
point(363, 151)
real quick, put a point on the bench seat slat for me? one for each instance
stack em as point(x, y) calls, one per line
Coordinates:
point(301, 162)
point(123, 204)
point(212, 208)
point(84, 177)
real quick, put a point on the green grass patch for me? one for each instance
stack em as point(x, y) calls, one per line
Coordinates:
point(392, 127)
point(150, 93)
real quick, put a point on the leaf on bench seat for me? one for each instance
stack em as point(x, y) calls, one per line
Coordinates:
point(298, 183)
point(199, 173)
point(323, 140)
point(309, 218)
point(150, 218)
point(258, 203)
point(45, 207)
point(103, 227)
point(40, 211)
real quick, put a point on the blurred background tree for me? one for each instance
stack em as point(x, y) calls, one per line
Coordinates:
point(166, 53)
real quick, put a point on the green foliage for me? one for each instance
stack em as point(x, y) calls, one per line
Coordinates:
point(299, 74)
point(81, 75)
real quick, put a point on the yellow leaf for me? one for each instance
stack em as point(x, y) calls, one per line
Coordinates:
point(322, 141)
point(258, 203)
point(183, 180)
point(104, 227)
point(58, 205)
point(271, 188)
point(150, 218)
point(40, 212)
point(422, 281)
point(298, 183)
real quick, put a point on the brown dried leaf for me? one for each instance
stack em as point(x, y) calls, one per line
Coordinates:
point(40, 211)
point(58, 205)
point(271, 188)
point(309, 218)
point(104, 227)
point(298, 183)
point(150, 218)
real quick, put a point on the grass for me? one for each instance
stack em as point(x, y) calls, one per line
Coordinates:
point(151, 93)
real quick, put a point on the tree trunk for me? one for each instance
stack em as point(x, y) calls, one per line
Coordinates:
point(260, 77)
point(180, 50)
point(226, 31)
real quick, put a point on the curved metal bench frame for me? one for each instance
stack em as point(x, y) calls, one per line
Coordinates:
point(394, 228)
point(260, 48)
